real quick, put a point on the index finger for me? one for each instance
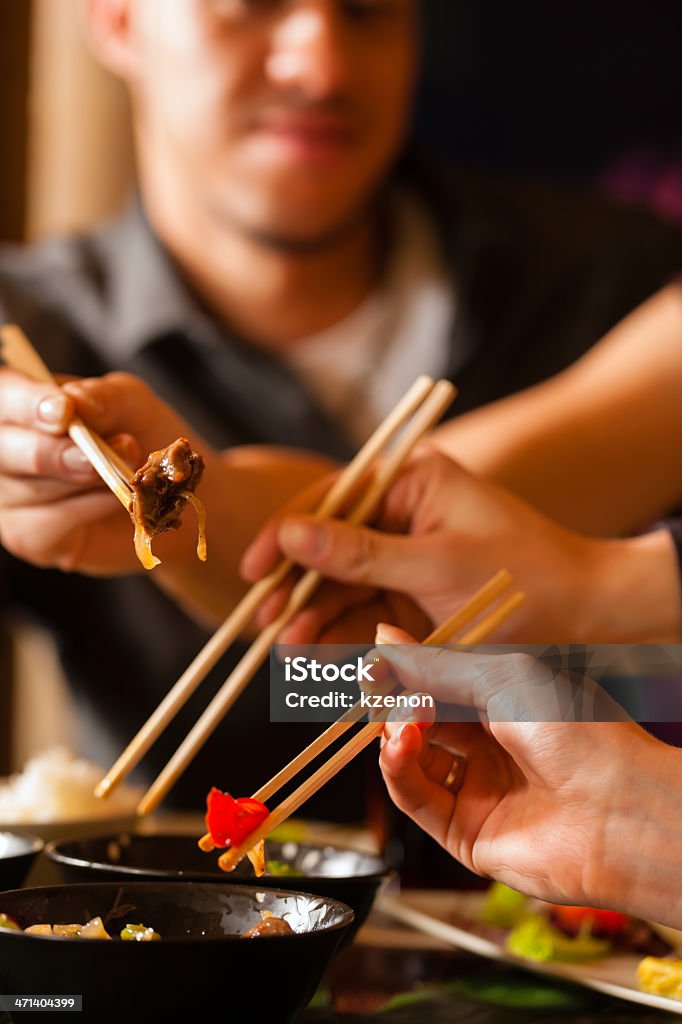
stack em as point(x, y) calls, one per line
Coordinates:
point(508, 687)
point(33, 404)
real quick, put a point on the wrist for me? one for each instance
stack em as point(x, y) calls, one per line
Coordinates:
point(636, 867)
point(630, 591)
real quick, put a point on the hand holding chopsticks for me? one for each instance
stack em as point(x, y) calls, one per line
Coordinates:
point(368, 733)
point(18, 353)
point(235, 623)
point(154, 496)
point(427, 414)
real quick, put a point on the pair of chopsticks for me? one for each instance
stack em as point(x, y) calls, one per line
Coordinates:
point(19, 354)
point(482, 599)
point(417, 412)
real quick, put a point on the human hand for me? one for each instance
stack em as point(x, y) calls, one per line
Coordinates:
point(54, 509)
point(440, 534)
point(570, 811)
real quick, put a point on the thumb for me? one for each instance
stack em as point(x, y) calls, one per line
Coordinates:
point(355, 554)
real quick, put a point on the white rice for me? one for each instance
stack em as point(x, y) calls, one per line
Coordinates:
point(57, 786)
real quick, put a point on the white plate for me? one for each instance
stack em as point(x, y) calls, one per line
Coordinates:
point(433, 911)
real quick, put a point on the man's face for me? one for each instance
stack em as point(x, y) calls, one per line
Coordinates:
point(282, 116)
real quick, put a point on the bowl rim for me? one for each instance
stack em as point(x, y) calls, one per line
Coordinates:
point(347, 914)
point(35, 844)
point(53, 853)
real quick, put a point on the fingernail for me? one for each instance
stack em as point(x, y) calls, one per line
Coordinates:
point(381, 635)
point(396, 735)
point(305, 539)
point(53, 410)
point(75, 461)
point(375, 671)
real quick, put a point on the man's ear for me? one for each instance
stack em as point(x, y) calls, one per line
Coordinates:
point(109, 28)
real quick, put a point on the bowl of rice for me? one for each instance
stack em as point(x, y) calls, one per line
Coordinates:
point(53, 798)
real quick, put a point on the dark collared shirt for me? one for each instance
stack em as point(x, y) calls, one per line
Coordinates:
point(539, 278)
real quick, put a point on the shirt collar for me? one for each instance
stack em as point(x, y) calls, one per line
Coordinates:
point(148, 297)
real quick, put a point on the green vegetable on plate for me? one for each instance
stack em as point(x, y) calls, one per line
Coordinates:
point(536, 938)
point(503, 907)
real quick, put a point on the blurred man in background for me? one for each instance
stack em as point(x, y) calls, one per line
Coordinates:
point(287, 270)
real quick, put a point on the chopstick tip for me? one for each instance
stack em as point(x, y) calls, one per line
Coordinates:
point(146, 805)
point(102, 789)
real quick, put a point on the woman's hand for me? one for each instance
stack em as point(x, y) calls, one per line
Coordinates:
point(570, 811)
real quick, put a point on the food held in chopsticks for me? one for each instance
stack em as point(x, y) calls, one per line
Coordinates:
point(425, 403)
point(161, 489)
point(489, 592)
point(157, 492)
point(230, 822)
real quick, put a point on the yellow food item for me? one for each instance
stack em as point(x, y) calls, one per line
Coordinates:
point(257, 857)
point(94, 929)
point(39, 929)
point(660, 977)
point(66, 930)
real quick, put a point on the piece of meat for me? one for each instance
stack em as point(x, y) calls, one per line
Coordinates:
point(269, 926)
point(161, 489)
point(158, 483)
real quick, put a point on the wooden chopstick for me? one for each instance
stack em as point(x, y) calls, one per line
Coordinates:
point(229, 860)
point(480, 600)
point(19, 354)
point(423, 420)
point(235, 623)
point(478, 633)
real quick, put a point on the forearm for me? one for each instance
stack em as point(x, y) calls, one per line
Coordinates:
point(636, 865)
point(598, 448)
point(631, 591)
point(241, 489)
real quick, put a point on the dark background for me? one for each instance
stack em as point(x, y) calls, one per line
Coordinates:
point(555, 89)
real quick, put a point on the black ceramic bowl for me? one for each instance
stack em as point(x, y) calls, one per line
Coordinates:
point(201, 968)
point(346, 875)
point(17, 853)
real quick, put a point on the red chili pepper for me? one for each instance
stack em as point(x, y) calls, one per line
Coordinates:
point(603, 922)
point(230, 821)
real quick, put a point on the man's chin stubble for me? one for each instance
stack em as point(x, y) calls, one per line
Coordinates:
point(287, 242)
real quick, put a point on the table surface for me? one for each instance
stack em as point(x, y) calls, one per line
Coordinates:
point(430, 982)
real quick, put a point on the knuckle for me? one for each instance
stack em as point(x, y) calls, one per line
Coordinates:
point(435, 464)
point(44, 457)
point(521, 665)
point(361, 555)
point(436, 662)
point(123, 381)
point(496, 675)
